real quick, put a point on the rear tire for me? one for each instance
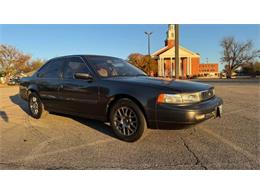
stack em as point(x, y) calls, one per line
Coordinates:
point(127, 120)
point(35, 105)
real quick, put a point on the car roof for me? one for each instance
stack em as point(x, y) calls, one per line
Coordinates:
point(82, 55)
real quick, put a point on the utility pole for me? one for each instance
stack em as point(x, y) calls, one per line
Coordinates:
point(177, 62)
point(148, 37)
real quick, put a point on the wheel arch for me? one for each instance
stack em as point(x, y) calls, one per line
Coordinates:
point(117, 97)
point(32, 89)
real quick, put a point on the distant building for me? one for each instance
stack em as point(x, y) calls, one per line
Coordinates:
point(208, 70)
point(189, 60)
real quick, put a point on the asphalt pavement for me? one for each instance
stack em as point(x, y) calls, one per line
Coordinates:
point(64, 142)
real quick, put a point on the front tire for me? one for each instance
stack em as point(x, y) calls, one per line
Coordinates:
point(35, 105)
point(127, 120)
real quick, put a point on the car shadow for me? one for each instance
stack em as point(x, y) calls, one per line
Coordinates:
point(4, 116)
point(16, 99)
point(97, 125)
point(94, 124)
point(176, 127)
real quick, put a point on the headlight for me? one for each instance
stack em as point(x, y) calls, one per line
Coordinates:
point(190, 98)
point(179, 98)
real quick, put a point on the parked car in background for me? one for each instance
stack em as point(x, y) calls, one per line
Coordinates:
point(111, 90)
point(13, 81)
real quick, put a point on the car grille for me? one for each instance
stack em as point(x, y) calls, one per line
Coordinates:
point(207, 94)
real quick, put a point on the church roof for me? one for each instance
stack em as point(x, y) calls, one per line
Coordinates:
point(158, 52)
point(167, 52)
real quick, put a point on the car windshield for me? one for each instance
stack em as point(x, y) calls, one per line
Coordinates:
point(113, 67)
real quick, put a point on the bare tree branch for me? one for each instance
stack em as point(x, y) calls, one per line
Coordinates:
point(236, 54)
point(12, 60)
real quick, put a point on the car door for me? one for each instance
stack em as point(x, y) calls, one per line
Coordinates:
point(79, 96)
point(48, 82)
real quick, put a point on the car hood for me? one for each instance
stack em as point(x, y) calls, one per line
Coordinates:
point(164, 83)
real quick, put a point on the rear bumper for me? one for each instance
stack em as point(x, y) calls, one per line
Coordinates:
point(23, 92)
point(169, 116)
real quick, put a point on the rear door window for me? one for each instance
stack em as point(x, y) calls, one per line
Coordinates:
point(43, 69)
point(52, 69)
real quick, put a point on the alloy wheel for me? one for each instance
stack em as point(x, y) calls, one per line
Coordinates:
point(34, 106)
point(126, 121)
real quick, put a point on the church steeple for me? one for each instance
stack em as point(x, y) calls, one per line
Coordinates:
point(170, 36)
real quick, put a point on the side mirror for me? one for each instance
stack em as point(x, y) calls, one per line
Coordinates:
point(83, 76)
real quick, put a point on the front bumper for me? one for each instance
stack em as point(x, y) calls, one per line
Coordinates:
point(168, 115)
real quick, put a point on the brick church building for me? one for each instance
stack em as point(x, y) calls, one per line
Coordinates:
point(189, 60)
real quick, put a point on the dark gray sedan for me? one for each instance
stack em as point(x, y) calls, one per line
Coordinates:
point(112, 90)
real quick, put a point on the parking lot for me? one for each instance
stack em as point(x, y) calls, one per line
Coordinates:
point(63, 142)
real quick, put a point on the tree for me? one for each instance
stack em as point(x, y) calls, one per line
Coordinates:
point(144, 62)
point(136, 59)
point(36, 64)
point(251, 69)
point(12, 60)
point(236, 54)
